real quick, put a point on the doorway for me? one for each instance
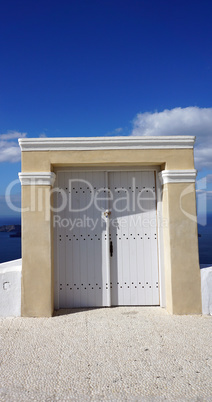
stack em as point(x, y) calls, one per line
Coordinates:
point(106, 241)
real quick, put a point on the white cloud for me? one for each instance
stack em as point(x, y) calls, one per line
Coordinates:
point(11, 135)
point(9, 149)
point(207, 193)
point(180, 121)
point(209, 178)
point(116, 131)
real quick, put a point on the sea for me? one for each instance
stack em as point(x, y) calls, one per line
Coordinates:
point(205, 242)
point(10, 247)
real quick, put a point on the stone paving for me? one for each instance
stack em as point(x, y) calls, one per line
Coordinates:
point(108, 354)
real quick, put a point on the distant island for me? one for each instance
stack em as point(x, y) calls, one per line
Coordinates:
point(14, 229)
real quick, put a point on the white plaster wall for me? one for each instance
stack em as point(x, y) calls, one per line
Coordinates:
point(10, 288)
point(206, 285)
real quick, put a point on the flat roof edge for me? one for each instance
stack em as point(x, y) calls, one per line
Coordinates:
point(97, 143)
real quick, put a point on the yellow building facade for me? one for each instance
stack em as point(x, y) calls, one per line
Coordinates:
point(172, 163)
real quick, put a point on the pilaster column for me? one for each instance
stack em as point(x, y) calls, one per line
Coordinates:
point(181, 255)
point(37, 267)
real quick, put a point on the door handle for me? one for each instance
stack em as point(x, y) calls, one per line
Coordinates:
point(107, 213)
point(111, 248)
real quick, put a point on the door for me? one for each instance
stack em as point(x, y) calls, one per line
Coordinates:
point(106, 239)
point(133, 239)
point(81, 278)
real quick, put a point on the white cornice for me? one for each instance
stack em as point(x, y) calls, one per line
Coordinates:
point(178, 176)
point(37, 178)
point(96, 143)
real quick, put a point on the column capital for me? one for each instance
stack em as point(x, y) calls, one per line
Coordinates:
point(37, 178)
point(178, 176)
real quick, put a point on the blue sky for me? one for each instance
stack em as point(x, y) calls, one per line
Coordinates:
point(97, 68)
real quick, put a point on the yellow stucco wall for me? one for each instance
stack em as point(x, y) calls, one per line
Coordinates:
point(44, 161)
point(181, 265)
point(37, 263)
point(182, 272)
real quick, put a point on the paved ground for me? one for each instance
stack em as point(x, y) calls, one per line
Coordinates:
point(115, 354)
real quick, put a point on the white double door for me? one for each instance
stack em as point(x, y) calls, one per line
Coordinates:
point(106, 239)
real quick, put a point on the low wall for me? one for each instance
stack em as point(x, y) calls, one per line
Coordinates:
point(10, 288)
point(206, 285)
